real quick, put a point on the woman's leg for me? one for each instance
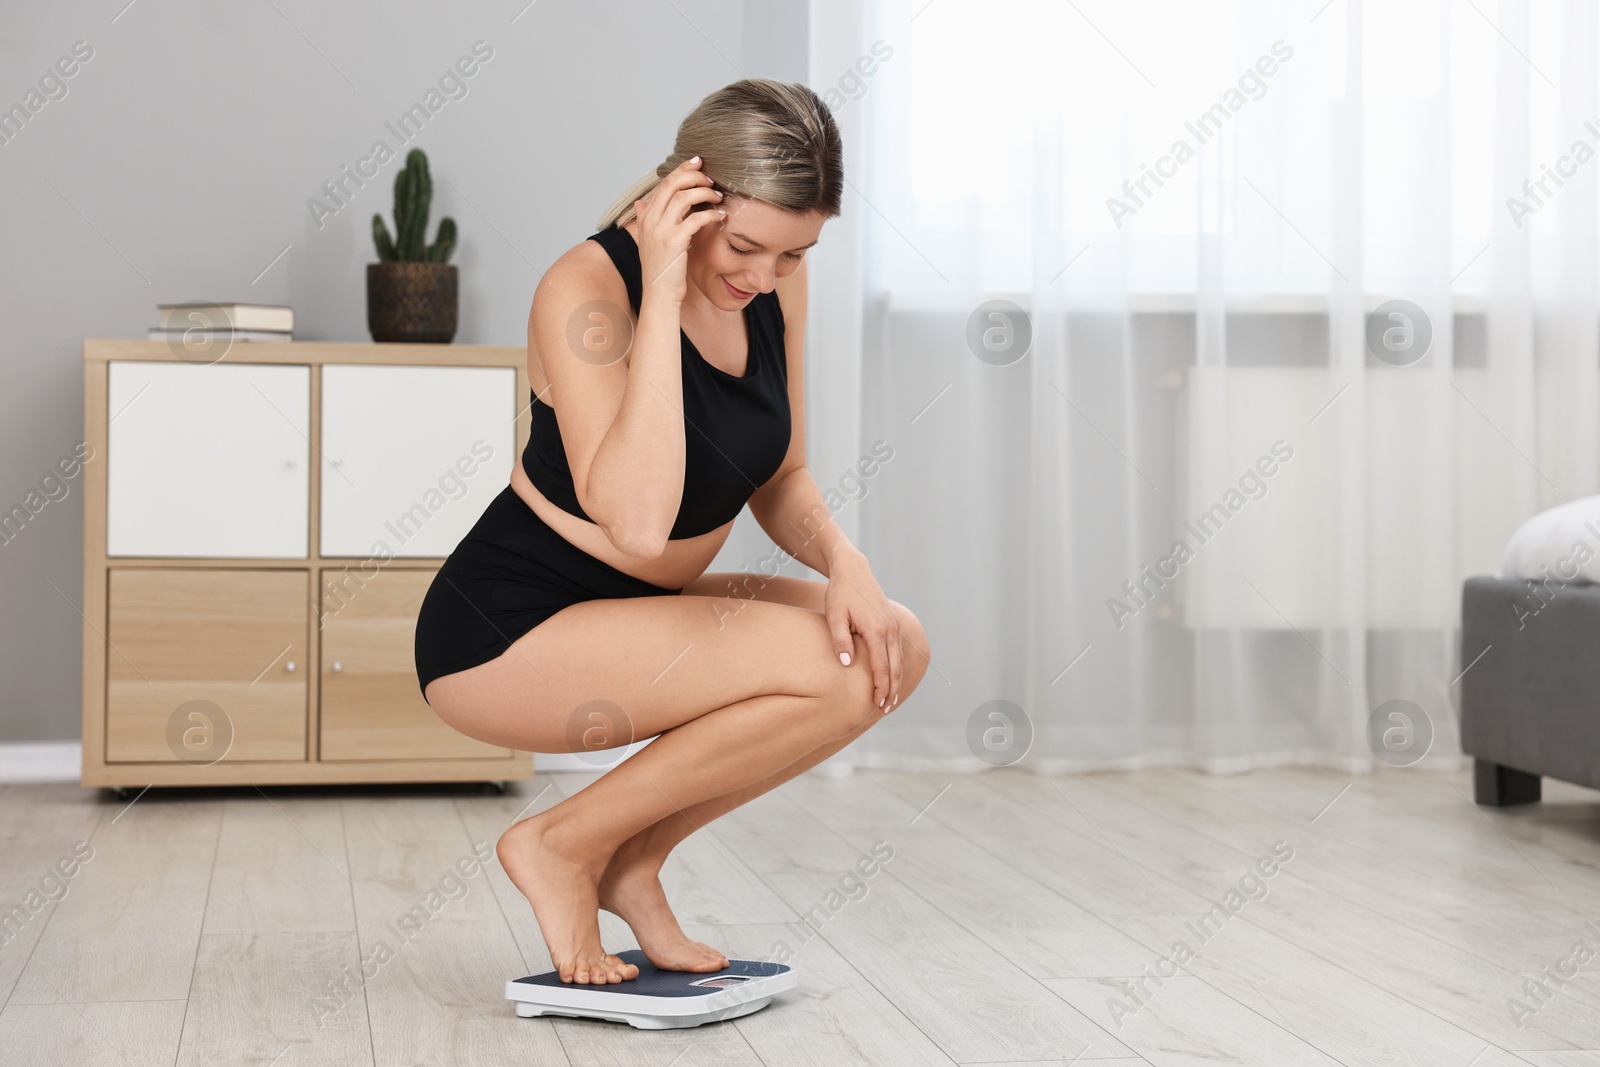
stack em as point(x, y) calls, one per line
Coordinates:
point(630, 886)
point(732, 704)
point(801, 593)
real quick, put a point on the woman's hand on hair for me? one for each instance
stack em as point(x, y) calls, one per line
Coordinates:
point(668, 221)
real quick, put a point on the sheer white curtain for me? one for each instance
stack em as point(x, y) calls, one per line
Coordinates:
point(1219, 508)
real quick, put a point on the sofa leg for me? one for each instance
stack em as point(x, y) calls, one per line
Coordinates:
point(1499, 786)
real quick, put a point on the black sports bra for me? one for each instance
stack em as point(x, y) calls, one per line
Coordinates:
point(736, 430)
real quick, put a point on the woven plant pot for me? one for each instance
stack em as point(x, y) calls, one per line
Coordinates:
point(412, 302)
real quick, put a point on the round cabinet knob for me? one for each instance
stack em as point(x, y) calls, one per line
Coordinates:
point(335, 462)
point(338, 668)
point(289, 666)
point(288, 464)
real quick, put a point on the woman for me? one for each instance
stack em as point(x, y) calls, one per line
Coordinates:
point(577, 613)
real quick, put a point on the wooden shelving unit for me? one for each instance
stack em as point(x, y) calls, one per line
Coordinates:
point(209, 661)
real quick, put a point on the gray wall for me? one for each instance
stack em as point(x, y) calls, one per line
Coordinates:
point(180, 161)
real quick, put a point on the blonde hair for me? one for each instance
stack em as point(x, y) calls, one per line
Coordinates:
point(757, 138)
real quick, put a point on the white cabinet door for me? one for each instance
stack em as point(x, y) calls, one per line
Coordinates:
point(411, 456)
point(208, 460)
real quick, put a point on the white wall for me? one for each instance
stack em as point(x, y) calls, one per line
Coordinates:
point(180, 162)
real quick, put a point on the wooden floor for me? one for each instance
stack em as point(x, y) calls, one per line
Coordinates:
point(1016, 913)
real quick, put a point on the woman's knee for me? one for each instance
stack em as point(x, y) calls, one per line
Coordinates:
point(916, 653)
point(850, 689)
point(846, 692)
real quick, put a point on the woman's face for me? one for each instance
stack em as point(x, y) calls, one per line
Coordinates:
point(754, 246)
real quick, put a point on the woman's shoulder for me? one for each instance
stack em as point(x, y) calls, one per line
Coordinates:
point(587, 257)
point(583, 272)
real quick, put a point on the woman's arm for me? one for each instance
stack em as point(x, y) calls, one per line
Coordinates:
point(621, 419)
point(635, 477)
point(791, 509)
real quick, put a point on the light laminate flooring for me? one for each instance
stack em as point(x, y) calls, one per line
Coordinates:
point(1021, 920)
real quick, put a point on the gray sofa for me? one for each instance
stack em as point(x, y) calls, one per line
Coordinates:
point(1530, 697)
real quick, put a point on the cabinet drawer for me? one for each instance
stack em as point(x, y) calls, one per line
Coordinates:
point(372, 707)
point(411, 456)
point(208, 460)
point(204, 665)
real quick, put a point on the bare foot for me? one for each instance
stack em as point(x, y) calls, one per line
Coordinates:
point(631, 890)
point(564, 895)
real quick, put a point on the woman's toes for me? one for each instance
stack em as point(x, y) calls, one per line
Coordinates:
point(603, 971)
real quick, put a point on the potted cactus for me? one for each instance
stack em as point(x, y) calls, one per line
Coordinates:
point(411, 291)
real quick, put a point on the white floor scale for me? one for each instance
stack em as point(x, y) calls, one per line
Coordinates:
point(656, 999)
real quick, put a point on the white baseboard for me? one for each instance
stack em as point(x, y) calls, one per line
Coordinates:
point(585, 761)
point(41, 761)
point(62, 761)
point(839, 765)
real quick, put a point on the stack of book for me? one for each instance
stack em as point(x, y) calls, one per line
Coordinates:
point(242, 322)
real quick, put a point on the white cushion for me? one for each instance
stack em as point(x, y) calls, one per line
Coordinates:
point(1562, 544)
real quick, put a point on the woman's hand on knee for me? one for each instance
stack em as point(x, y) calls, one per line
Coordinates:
point(856, 605)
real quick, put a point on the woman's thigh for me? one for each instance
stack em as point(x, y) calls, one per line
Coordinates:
point(634, 667)
point(741, 585)
point(739, 588)
point(807, 593)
